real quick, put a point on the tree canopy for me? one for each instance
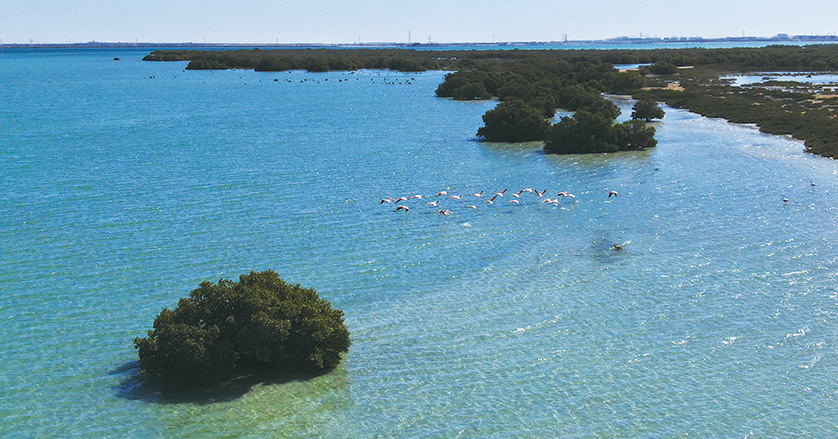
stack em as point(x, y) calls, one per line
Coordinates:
point(663, 68)
point(646, 109)
point(593, 132)
point(582, 133)
point(513, 121)
point(259, 321)
point(635, 134)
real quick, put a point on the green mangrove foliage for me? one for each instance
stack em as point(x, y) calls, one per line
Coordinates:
point(531, 92)
point(260, 321)
point(647, 109)
point(663, 68)
point(513, 121)
point(312, 60)
point(592, 132)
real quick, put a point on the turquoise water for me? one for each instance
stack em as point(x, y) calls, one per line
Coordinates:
point(125, 184)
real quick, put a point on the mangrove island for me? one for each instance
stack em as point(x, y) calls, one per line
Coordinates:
point(260, 322)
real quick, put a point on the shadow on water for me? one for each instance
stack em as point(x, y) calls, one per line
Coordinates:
point(596, 161)
point(609, 250)
point(139, 385)
point(532, 147)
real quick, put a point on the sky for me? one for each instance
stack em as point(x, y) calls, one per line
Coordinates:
point(401, 21)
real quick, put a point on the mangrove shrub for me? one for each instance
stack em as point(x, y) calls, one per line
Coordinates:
point(647, 109)
point(260, 321)
point(513, 121)
point(586, 132)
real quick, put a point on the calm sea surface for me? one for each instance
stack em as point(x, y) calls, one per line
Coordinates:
point(126, 183)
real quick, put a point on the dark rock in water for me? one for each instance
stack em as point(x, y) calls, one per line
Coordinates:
point(116, 59)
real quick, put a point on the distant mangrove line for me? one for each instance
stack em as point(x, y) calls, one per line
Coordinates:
point(540, 81)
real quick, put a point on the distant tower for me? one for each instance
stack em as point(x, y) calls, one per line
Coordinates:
point(408, 36)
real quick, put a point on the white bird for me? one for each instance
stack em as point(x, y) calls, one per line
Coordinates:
point(456, 197)
point(471, 206)
point(499, 194)
point(444, 212)
point(614, 193)
point(417, 196)
point(386, 200)
point(433, 203)
point(404, 208)
point(492, 200)
point(479, 194)
point(401, 199)
point(442, 193)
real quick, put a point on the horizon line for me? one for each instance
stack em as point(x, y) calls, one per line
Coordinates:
point(614, 40)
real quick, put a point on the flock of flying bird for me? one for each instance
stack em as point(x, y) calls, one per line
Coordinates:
point(472, 201)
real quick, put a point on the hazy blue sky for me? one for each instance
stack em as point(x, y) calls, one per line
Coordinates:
point(321, 21)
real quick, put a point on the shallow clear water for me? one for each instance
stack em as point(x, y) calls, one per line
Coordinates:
point(125, 184)
point(814, 78)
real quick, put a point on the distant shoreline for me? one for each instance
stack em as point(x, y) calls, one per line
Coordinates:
point(779, 39)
